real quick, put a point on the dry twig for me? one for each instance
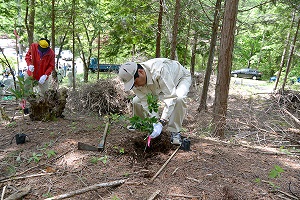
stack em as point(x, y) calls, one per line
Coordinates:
point(86, 189)
point(153, 195)
point(165, 164)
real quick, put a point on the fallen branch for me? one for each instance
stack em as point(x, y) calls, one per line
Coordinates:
point(293, 117)
point(157, 173)
point(185, 196)
point(23, 177)
point(154, 195)
point(19, 194)
point(3, 192)
point(86, 189)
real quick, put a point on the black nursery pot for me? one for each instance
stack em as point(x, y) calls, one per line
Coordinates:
point(26, 111)
point(20, 138)
point(186, 144)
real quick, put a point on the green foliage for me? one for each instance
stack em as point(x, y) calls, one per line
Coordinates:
point(144, 125)
point(257, 180)
point(25, 87)
point(47, 195)
point(103, 159)
point(152, 103)
point(119, 149)
point(50, 153)
point(275, 173)
point(115, 198)
point(11, 124)
point(35, 157)
point(114, 117)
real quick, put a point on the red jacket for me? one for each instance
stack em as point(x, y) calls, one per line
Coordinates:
point(42, 66)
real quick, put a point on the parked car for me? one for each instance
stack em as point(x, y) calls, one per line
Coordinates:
point(247, 73)
point(66, 55)
point(102, 67)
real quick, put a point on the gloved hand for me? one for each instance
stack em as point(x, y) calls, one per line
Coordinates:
point(157, 128)
point(43, 79)
point(31, 68)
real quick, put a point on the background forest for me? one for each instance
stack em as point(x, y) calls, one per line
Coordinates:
point(138, 30)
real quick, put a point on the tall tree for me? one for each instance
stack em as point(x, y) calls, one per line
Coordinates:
point(159, 28)
point(283, 57)
point(224, 67)
point(210, 61)
point(289, 60)
point(175, 30)
point(29, 19)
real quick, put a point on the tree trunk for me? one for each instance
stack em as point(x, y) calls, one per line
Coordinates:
point(98, 56)
point(29, 19)
point(159, 28)
point(73, 43)
point(53, 25)
point(54, 73)
point(210, 61)
point(288, 64)
point(175, 30)
point(187, 44)
point(224, 67)
point(284, 53)
point(193, 58)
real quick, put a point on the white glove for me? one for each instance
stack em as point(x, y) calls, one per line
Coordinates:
point(157, 128)
point(31, 68)
point(43, 79)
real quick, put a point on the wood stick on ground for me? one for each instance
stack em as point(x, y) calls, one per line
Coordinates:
point(293, 117)
point(86, 189)
point(23, 177)
point(157, 173)
point(19, 194)
point(185, 196)
point(3, 192)
point(152, 197)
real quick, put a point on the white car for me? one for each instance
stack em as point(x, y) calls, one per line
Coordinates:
point(66, 55)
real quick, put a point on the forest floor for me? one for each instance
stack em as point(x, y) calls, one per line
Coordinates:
point(258, 159)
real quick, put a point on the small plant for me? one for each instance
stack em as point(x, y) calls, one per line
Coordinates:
point(35, 157)
point(145, 125)
point(25, 87)
point(115, 198)
point(275, 173)
point(51, 153)
point(114, 117)
point(12, 124)
point(120, 150)
point(152, 102)
point(47, 195)
point(103, 159)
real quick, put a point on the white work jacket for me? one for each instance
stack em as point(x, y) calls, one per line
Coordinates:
point(163, 76)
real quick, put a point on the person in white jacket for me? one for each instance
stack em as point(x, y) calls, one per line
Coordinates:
point(169, 81)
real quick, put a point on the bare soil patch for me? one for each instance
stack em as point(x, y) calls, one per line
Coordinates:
point(259, 136)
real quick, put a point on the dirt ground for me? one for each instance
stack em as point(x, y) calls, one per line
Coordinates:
point(260, 138)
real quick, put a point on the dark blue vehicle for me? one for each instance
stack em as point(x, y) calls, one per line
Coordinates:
point(103, 67)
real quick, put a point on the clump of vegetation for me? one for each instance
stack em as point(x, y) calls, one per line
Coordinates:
point(146, 124)
point(24, 88)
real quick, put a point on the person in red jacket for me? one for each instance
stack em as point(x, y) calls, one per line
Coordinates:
point(40, 60)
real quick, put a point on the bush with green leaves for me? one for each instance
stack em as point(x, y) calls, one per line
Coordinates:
point(24, 87)
point(146, 124)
